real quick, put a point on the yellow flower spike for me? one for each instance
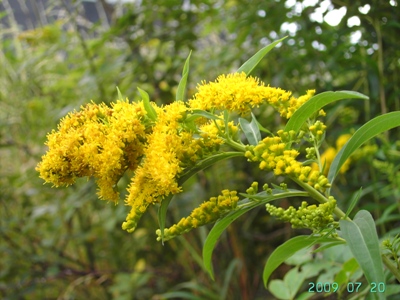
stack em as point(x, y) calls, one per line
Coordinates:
point(238, 92)
point(207, 212)
point(168, 151)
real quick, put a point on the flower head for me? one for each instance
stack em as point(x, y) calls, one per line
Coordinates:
point(98, 141)
point(238, 92)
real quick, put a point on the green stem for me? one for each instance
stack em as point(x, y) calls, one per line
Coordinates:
point(319, 197)
point(392, 268)
point(235, 145)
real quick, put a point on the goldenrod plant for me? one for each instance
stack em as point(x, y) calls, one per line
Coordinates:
point(163, 146)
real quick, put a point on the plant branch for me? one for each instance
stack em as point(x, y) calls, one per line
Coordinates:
point(392, 268)
point(319, 197)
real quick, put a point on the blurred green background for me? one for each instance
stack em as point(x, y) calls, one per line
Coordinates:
point(65, 243)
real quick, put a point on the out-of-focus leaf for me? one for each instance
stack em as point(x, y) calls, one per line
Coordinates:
point(253, 61)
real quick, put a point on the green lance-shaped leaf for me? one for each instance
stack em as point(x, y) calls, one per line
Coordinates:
point(251, 130)
point(223, 223)
point(180, 93)
point(151, 112)
point(199, 113)
point(314, 104)
point(360, 234)
point(253, 61)
point(288, 249)
point(119, 94)
point(205, 163)
point(364, 133)
point(353, 202)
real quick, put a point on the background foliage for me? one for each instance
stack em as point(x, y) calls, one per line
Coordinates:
point(65, 243)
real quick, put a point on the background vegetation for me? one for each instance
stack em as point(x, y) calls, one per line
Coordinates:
point(65, 243)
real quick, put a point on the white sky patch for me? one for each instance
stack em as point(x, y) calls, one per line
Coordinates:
point(290, 3)
point(317, 15)
point(393, 2)
point(261, 13)
point(318, 46)
point(355, 37)
point(353, 21)
point(308, 3)
point(364, 9)
point(291, 28)
point(334, 16)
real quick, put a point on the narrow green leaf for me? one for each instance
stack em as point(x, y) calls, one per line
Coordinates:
point(315, 104)
point(223, 223)
point(353, 202)
point(234, 264)
point(198, 113)
point(253, 61)
point(327, 246)
point(360, 234)
point(205, 163)
point(151, 112)
point(363, 134)
point(262, 128)
point(180, 295)
point(250, 130)
point(180, 93)
point(287, 249)
point(119, 94)
point(226, 121)
point(162, 214)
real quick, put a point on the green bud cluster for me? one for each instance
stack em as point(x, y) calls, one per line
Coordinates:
point(267, 189)
point(313, 217)
point(253, 189)
point(392, 247)
point(283, 186)
point(318, 130)
point(311, 153)
point(207, 212)
point(288, 137)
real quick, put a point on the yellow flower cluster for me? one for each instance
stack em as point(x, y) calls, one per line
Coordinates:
point(157, 177)
point(286, 106)
point(272, 154)
point(97, 141)
point(238, 92)
point(207, 212)
point(306, 216)
point(103, 142)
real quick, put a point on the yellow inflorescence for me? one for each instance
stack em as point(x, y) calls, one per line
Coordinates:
point(160, 143)
point(271, 153)
point(238, 92)
point(207, 212)
point(97, 141)
point(157, 177)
